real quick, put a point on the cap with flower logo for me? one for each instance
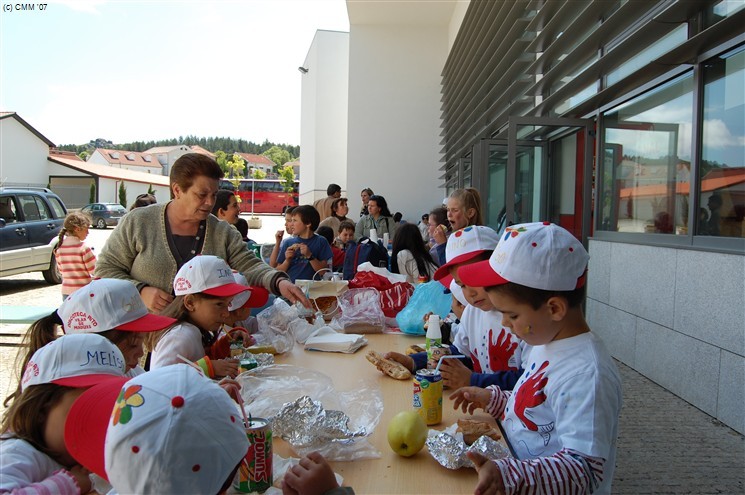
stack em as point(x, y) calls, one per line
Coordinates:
point(108, 304)
point(170, 430)
point(540, 255)
point(464, 245)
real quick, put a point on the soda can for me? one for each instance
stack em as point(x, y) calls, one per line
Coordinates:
point(255, 472)
point(428, 395)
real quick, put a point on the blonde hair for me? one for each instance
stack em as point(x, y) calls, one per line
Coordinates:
point(470, 198)
point(73, 221)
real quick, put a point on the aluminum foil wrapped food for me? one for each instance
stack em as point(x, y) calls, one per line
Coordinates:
point(305, 423)
point(449, 449)
point(264, 359)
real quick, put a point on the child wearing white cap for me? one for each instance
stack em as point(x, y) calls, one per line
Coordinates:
point(111, 308)
point(169, 431)
point(492, 351)
point(33, 455)
point(562, 417)
point(204, 288)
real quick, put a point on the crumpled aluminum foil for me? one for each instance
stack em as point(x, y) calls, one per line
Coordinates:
point(264, 359)
point(451, 452)
point(305, 423)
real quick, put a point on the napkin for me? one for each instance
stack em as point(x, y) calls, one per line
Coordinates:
point(326, 339)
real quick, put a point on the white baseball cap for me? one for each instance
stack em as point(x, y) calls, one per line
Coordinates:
point(206, 274)
point(81, 360)
point(255, 297)
point(108, 304)
point(457, 292)
point(170, 430)
point(540, 255)
point(463, 245)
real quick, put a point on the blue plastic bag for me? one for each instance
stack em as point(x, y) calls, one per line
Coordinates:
point(429, 297)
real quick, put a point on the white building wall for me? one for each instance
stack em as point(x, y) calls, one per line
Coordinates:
point(23, 156)
point(323, 119)
point(394, 114)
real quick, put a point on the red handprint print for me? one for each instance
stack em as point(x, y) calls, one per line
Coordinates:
point(501, 351)
point(530, 394)
point(475, 361)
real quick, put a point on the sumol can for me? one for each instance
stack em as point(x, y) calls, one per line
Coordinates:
point(255, 472)
point(428, 395)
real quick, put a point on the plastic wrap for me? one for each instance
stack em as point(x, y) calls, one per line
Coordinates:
point(360, 312)
point(274, 326)
point(266, 391)
point(428, 297)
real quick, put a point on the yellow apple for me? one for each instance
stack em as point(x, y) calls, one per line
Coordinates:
point(407, 433)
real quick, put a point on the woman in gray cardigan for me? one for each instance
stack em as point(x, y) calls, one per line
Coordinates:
point(150, 244)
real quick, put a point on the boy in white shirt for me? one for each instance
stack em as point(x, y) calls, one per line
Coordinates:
point(562, 416)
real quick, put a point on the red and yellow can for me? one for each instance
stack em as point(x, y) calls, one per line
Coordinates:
point(255, 472)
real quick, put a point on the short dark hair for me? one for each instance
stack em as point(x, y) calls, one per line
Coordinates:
point(346, 225)
point(192, 165)
point(327, 233)
point(333, 189)
point(289, 210)
point(222, 200)
point(538, 297)
point(397, 216)
point(441, 216)
point(308, 215)
point(335, 204)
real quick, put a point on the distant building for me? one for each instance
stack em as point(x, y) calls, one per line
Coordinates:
point(257, 162)
point(23, 154)
point(295, 168)
point(129, 160)
point(167, 155)
point(198, 149)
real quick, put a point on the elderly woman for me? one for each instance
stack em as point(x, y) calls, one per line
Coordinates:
point(150, 244)
point(379, 219)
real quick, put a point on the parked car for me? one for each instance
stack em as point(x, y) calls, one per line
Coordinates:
point(30, 222)
point(104, 214)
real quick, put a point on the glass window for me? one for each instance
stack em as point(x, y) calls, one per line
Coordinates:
point(43, 209)
point(59, 210)
point(30, 210)
point(722, 170)
point(647, 160)
point(656, 49)
point(496, 210)
point(8, 210)
point(721, 10)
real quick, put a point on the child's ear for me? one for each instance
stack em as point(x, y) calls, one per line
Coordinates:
point(189, 300)
point(557, 307)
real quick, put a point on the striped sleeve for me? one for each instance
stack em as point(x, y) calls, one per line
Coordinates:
point(567, 472)
point(89, 260)
point(498, 401)
point(60, 482)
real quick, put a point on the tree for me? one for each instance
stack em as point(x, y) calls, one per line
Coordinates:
point(222, 159)
point(92, 197)
point(122, 194)
point(257, 173)
point(235, 167)
point(84, 155)
point(287, 179)
point(278, 155)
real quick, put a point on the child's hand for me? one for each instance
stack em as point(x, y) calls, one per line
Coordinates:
point(304, 249)
point(312, 476)
point(225, 367)
point(455, 374)
point(240, 333)
point(490, 477)
point(401, 358)
point(232, 387)
point(81, 477)
point(470, 398)
point(439, 234)
point(279, 235)
point(290, 252)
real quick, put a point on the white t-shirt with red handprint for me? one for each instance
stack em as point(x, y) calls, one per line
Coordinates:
point(566, 403)
point(490, 346)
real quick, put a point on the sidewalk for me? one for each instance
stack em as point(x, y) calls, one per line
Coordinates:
point(667, 446)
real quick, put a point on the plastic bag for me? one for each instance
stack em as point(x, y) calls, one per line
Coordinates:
point(266, 390)
point(428, 297)
point(274, 326)
point(393, 295)
point(360, 312)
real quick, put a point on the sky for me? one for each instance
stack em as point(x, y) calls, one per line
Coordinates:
point(139, 71)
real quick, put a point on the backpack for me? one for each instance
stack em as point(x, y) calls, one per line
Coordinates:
point(361, 251)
